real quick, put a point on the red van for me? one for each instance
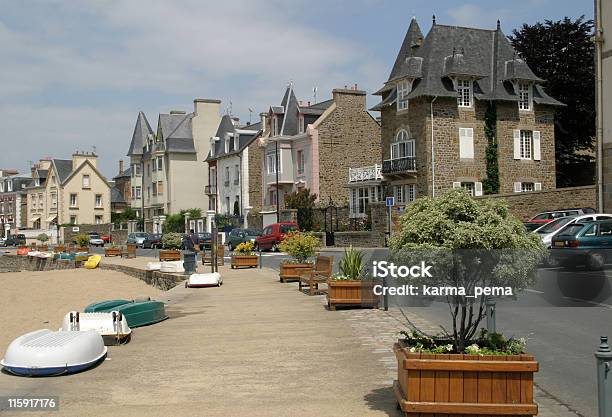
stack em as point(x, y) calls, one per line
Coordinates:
point(273, 234)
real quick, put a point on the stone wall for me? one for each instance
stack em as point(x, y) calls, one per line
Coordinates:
point(118, 236)
point(15, 263)
point(255, 175)
point(366, 239)
point(526, 205)
point(348, 138)
point(163, 281)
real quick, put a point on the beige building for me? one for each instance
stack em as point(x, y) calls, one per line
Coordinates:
point(68, 191)
point(168, 169)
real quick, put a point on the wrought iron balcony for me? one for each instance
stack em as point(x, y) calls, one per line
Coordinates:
point(399, 165)
point(210, 189)
point(370, 173)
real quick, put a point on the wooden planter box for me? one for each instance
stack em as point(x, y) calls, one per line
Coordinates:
point(456, 384)
point(351, 293)
point(112, 252)
point(292, 272)
point(169, 255)
point(245, 261)
point(42, 248)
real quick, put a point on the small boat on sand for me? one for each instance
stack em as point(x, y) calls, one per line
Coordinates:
point(136, 312)
point(204, 280)
point(172, 267)
point(47, 353)
point(111, 326)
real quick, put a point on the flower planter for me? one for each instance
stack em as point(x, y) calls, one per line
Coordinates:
point(351, 293)
point(458, 384)
point(112, 252)
point(292, 272)
point(169, 255)
point(244, 261)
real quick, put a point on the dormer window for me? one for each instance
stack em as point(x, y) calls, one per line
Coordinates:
point(464, 89)
point(227, 141)
point(236, 141)
point(403, 89)
point(301, 123)
point(524, 92)
point(9, 186)
point(274, 125)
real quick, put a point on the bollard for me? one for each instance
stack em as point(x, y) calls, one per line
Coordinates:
point(490, 306)
point(385, 295)
point(604, 380)
point(260, 258)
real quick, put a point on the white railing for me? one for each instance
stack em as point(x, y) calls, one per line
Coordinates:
point(370, 173)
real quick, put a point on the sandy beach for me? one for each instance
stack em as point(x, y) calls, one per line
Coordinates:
point(38, 300)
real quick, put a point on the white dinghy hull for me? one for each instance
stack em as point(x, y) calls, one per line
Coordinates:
point(172, 267)
point(111, 326)
point(204, 280)
point(47, 353)
point(153, 266)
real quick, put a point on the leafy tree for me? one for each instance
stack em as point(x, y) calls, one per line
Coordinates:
point(194, 213)
point(490, 184)
point(172, 240)
point(562, 53)
point(175, 223)
point(43, 237)
point(304, 202)
point(470, 243)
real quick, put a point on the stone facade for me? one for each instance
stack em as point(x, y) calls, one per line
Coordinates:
point(255, 164)
point(349, 137)
point(118, 236)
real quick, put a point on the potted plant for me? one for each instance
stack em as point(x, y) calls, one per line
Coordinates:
point(351, 286)
point(302, 247)
point(42, 238)
point(469, 244)
point(244, 256)
point(112, 250)
point(171, 243)
point(82, 242)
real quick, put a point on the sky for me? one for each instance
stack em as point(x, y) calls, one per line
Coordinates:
point(75, 74)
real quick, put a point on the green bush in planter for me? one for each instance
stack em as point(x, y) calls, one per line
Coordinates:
point(351, 266)
point(42, 237)
point(82, 240)
point(301, 246)
point(172, 240)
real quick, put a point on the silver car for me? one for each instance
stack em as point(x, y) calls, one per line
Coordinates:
point(137, 238)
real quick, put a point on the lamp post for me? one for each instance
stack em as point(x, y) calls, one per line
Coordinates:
point(277, 189)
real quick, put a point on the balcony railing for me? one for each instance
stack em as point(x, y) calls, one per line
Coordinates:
point(394, 166)
point(210, 189)
point(370, 173)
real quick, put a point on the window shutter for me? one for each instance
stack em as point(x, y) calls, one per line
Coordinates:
point(477, 189)
point(537, 186)
point(517, 143)
point(466, 143)
point(517, 187)
point(536, 145)
point(456, 184)
point(394, 150)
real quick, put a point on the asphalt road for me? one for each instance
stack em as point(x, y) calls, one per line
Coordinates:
point(562, 316)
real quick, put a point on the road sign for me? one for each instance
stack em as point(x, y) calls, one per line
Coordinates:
point(390, 202)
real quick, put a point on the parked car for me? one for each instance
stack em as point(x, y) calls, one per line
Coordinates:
point(152, 241)
point(205, 240)
point(549, 216)
point(15, 240)
point(95, 240)
point(273, 234)
point(2, 242)
point(107, 238)
point(584, 243)
point(238, 236)
point(549, 230)
point(137, 238)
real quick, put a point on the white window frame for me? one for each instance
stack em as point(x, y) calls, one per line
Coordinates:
point(275, 125)
point(98, 201)
point(402, 143)
point(236, 141)
point(526, 144)
point(160, 188)
point(98, 219)
point(226, 180)
point(271, 160)
point(527, 186)
point(466, 143)
point(74, 202)
point(226, 144)
point(464, 90)
point(9, 186)
point(300, 123)
point(160, 163)
point(301, 161)
point(86, 181)
point(525, 102)
point(403, 89)
point(237, 172)
point(138, 192)
point(404, 193)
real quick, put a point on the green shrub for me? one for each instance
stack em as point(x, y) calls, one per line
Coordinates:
point(300, 246)
point(351, 266)
point(172, 240)
point(82, 240)
point(42, 237)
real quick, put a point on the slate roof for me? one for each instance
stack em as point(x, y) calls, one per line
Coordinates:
point(289, 122)
point(484, 55)
point(139, 137)
point(176, 131)
point(226, 127)
point(64, 168)
point(316, 109)
point(116, 196)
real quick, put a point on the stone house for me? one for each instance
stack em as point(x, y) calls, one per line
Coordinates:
point(167, 170)
point(121, 189)
point(230, 185)
point(433, 115)
point(13, 201)
point(68, 191)
point(316, 144)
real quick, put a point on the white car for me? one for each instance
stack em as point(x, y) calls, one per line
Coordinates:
point(549, 230)
point(2, 242)
point(95, 240)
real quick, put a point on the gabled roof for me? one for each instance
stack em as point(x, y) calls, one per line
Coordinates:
point(116, 196)
point(63, 168)
point(175, 130)
point(486, 56)
point(246, 135)
point(316, 109)
point(124, 174)
point(139, 137)
point(287, 113)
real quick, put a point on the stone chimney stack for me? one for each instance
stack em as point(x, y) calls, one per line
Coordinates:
point(121, 167)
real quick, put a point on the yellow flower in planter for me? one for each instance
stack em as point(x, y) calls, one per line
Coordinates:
point(245, 248)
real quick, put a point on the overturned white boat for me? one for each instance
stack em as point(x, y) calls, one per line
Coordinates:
point(172, 267)
point(204, 280)
point(113, 326)
point(46, 353)
point(153, 266)
point(33, 253)
point(44, 255)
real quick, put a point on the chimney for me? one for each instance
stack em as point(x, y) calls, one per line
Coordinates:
point(79, 157)
point(263, 117)
point(235, 121)
point(350, 97)
point(121, 167)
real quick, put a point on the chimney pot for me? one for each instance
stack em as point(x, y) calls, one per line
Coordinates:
point(120, 166)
